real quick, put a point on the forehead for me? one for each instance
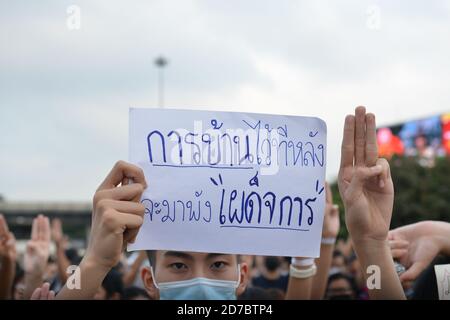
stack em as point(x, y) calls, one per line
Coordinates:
point(189, 255)
point(340, 283)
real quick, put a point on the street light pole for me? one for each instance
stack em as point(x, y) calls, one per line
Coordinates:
point(160, 63)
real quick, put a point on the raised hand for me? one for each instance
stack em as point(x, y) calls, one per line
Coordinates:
point(117, 215)
point(38, 247)
point(416, 245)
point(331, 221)
point(365, 182)
point(43, 293)
point(7, 241)
point(367, 191)
point(8, 257)
point(116, 219)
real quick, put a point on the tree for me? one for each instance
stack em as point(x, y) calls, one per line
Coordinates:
point(421, 193)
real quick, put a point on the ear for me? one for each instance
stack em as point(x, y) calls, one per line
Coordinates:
point(147, 279)
point(243, 281)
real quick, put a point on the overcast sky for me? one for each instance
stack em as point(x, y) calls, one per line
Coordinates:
point(65, 93)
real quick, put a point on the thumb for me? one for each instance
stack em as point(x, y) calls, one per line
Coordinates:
point(360, 176)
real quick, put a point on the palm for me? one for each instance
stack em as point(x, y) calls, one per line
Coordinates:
point(365, 183)
point(376, 203)
point(38, 248)
point(423, 252)
point(36, 256)
point(418, 244)
point(7, 241)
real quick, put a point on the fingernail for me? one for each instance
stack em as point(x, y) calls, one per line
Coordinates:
point(381, 183)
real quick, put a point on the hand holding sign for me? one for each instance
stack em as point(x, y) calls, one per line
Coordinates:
point(117, 214)
point(230, 182)
point(116, 219)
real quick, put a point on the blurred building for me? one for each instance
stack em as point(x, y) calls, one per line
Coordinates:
point(75, 217)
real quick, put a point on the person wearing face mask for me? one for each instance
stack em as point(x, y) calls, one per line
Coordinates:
point(117, 217)
point(181, 275)
point(365, 185)
point(271, 276)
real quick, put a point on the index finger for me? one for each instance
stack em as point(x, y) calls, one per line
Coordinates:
point(348, 142)
point(121, 171)
point(34, 229)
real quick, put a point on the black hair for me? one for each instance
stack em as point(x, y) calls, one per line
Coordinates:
point(133, 292)
point(113, 283)
point(337, 253)
point(151, 255)
point(73, 256)
point(258, 293)
point(340, 275)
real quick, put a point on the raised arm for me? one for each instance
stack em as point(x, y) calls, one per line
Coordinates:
point(300, 279)
point(367, 191)
point(60, 243)
point(8, 257)
point(330, 231)
point(116, 219)
point(36, 255)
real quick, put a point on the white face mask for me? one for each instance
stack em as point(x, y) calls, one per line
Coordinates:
point(198, 288)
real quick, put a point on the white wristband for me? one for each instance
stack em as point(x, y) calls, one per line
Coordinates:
point(328, 240)
point(302, 262)
point(302, 273)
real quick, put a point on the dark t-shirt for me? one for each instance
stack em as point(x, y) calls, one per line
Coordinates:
point(280, 283)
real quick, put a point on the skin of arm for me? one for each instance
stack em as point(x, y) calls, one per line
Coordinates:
point(8, 257)
point(62, 261)
point(323, 264)
point(299, 289)
point(116, 219)
point(330, 229)
point(367, 190)
point(60, 243)
point(314, 287)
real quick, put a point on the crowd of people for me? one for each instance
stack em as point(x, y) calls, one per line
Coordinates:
point(404, 256)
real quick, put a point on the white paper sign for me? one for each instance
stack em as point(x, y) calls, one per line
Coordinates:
point(443, 280)
point(229, 182)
